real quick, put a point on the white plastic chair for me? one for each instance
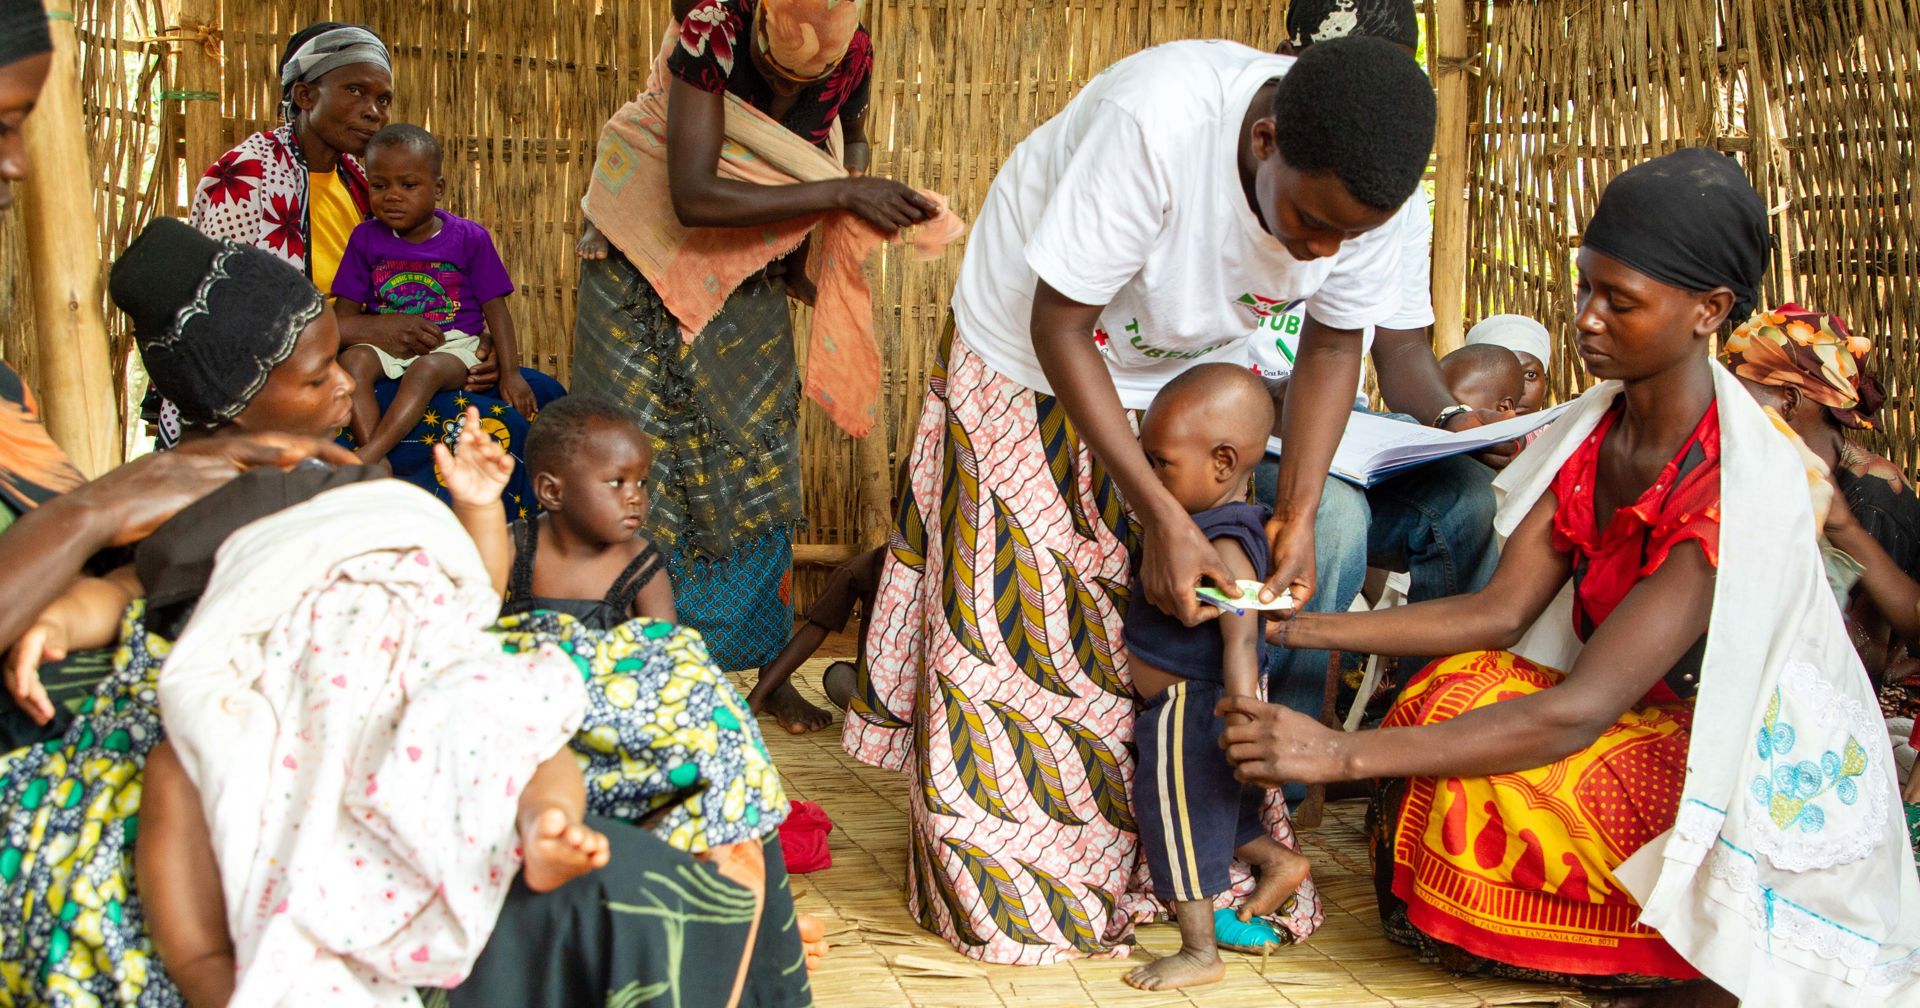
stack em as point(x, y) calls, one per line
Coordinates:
point(1395, 593)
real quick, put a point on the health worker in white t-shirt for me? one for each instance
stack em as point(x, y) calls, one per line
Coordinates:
point(1435, 521)
point(1182, 197)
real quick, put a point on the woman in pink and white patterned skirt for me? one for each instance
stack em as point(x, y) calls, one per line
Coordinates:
point(1154, 224)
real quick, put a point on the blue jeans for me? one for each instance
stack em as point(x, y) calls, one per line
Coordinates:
point(1434, 521)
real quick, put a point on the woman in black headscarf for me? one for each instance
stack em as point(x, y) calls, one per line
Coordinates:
point(240, 341)
point(1517, 789)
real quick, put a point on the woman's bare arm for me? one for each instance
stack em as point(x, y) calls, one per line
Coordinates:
point(1175, 555)
point(696, 127)
point(1653, 627)
point(1531, 572)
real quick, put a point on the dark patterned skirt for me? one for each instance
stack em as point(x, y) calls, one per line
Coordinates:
point(723, 414)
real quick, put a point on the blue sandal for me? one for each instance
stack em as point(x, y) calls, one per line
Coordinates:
point(1254, 937)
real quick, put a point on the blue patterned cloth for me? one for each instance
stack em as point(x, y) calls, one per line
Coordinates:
point(742, 605)
point(412, 458)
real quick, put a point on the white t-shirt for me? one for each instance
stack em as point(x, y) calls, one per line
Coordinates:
point(1277, 342)
point(1131, 198)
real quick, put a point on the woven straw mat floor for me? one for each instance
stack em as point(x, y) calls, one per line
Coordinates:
point(881, 957)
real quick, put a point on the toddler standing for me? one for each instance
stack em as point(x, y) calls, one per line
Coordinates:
point(1203, 435)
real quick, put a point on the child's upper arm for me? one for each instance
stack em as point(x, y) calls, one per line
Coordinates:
point(89, 610)
point(655, 601)
point(655, 598)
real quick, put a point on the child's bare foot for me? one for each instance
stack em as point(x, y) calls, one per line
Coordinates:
point(558, 850)
point(592, 245)
point(1280, 872)
point(1185, 968)
point(813, 939)
point(794, 713)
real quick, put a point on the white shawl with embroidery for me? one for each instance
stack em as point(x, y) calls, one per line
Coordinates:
point(1787, 878)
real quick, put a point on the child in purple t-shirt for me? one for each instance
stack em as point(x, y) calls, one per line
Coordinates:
point(413, 258)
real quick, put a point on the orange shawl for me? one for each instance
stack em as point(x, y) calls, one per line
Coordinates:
point(695, 270)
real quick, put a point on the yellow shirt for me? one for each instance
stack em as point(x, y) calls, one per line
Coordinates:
point(332, 217)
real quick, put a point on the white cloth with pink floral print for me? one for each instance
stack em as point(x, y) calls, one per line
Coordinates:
point(359, 743)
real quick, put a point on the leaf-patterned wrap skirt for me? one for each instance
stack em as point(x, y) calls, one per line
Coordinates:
point(1512, 874)
point(995, 678)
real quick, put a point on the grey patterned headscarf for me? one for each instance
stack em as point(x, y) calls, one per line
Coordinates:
point(325, 47)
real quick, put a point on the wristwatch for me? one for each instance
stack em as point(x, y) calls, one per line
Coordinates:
point(1449, 413)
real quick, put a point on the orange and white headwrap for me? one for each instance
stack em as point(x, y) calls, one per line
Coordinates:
point(805, 39)
point(1812, 351)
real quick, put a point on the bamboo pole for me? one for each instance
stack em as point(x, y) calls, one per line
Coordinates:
point(63, 249)
point(1450, 62)
point(824, 554)
point(876, 479)
point(197, 70)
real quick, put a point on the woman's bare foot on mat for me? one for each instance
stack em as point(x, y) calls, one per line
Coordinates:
point(592, 245)
point(558, 850)
point(813, 939)
point(1185, 968)
point(794, 713)
point(1279, 872)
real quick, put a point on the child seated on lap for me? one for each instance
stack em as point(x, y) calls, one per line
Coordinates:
point(413, 258)
point(590, 463)
point(1203, 435)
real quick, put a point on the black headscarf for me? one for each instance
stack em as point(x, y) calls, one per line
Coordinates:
point(212, 318)
point(23, 30)
point(1310, 21)
point(1689, 220)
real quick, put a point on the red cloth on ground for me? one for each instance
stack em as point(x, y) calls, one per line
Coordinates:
point(803, 838)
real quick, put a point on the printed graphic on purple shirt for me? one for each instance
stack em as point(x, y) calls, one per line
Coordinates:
point(445, 279)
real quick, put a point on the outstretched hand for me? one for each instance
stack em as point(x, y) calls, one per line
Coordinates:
point(149, 490)
point(476, 470)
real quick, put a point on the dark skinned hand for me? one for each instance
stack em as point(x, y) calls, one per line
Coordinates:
point(1496, 457)
point(1270, 745)
point(884, 203)
point(400, 335)
point(151, 489)
point(486, 374)
point(1291, 564)
point(1176, 559)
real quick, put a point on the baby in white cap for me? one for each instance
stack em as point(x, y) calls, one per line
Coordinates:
point(1530, 342)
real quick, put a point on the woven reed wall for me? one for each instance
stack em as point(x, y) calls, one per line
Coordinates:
point(122, 75)
point(517, 92)
point(1816, 97)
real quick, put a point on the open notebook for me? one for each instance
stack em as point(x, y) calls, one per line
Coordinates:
point(1376, 447)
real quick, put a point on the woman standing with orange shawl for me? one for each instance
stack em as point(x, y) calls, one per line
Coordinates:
point(719, 396)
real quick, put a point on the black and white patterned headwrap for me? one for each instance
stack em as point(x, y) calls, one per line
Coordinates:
point(319, 49)
point(212, 318)
point(1310, 21)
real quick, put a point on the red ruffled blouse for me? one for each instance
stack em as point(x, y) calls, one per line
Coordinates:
point(1682, 503)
